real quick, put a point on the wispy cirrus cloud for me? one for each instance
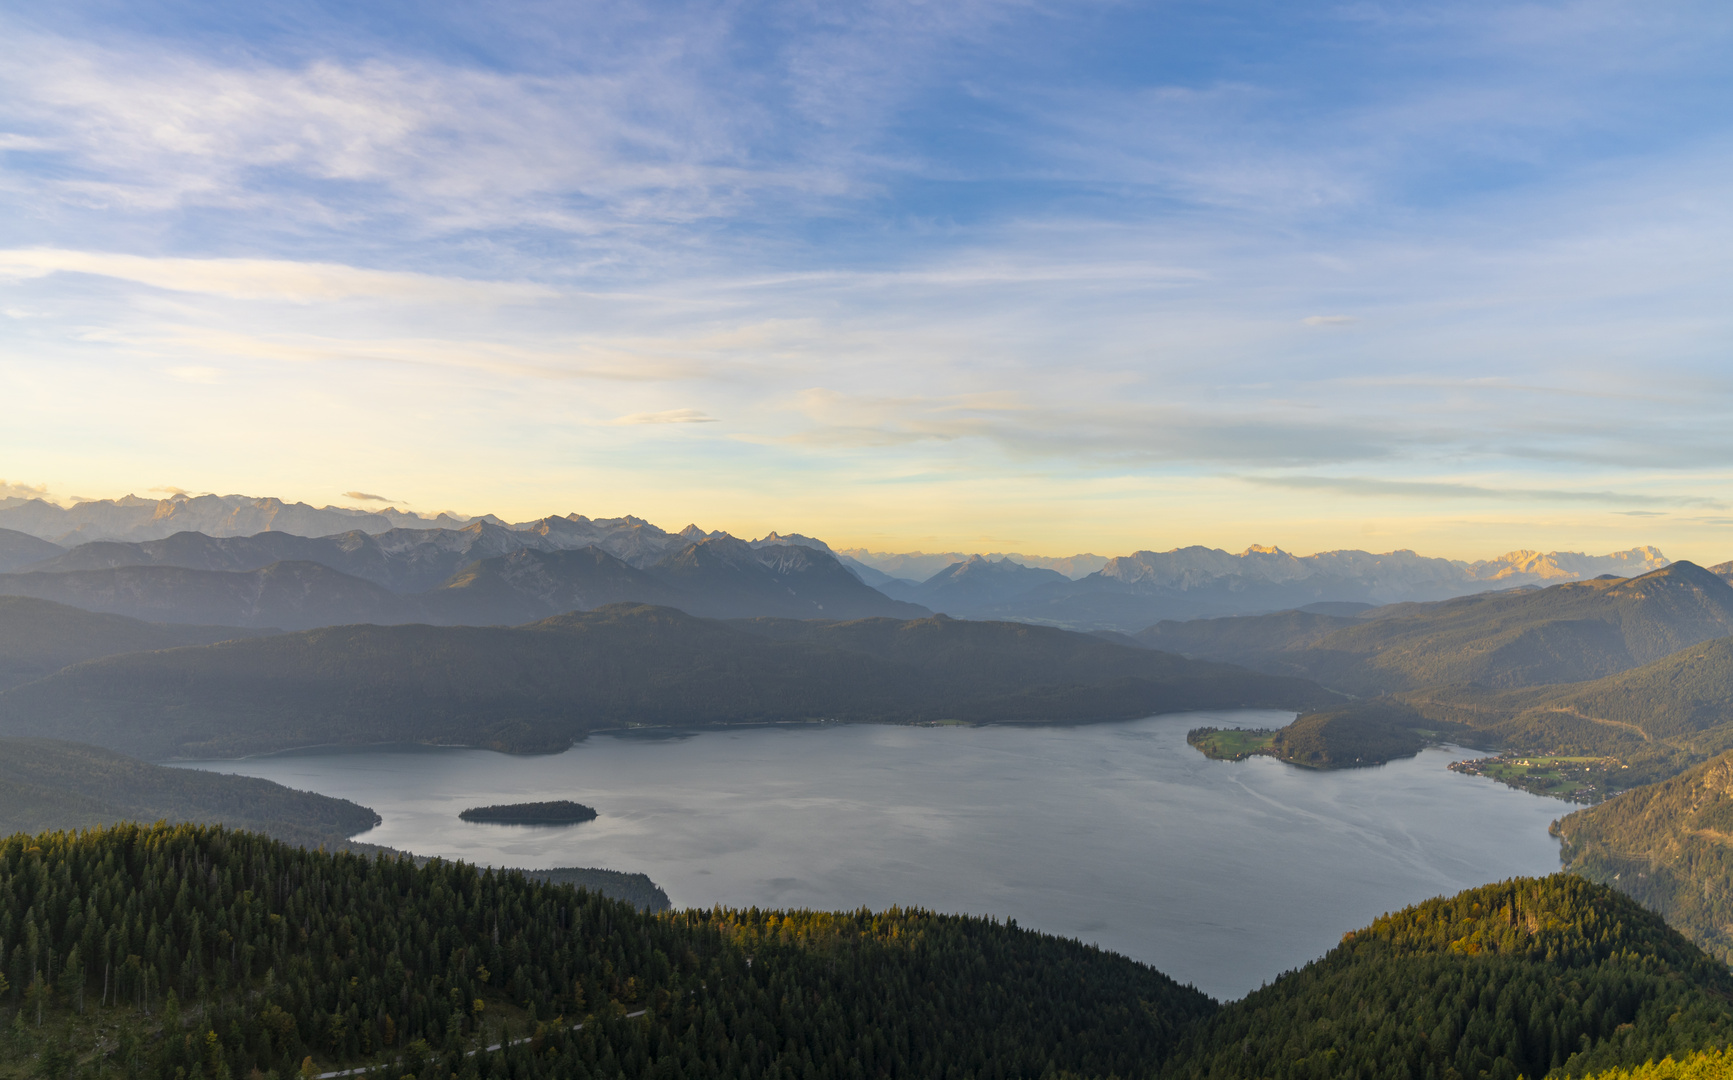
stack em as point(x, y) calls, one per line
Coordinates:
point(1088, 243)
point(269, 279)
point(666, 416)
point(1368, 487)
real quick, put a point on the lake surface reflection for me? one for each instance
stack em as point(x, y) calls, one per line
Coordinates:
point(1220, 874)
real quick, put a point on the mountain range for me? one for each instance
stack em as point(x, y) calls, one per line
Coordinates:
point(482, 574)
point(1131, 592)
point(410, 554)
point(1566, 633)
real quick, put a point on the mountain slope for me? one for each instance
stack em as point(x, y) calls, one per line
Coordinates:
point(1520, 978)
point(402, 560)
point(1566, 633)
point(1134, 591)
point(285, 595)
point(133, 518)
point(39, 637)
point(21, 549)
point(47, 784)
point(1647, 723)
point(1255, 640)
point(722, 577)
point(1669, 845)
point(978, 586)
point(482, 574)
point(529, 585)
point(537, 687)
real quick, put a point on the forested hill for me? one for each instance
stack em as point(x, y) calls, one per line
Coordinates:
point(537, 687)
point(1567, 633)
point(1670, 845)
point(1523, 978)
point(224, 952)
point(1648, 723)
point(159, 954)
point(39, 637)
point(48, 784)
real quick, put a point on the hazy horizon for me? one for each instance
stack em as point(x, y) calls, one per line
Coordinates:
point(429, 515)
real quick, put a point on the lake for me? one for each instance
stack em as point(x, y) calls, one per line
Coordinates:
point(1222, 874)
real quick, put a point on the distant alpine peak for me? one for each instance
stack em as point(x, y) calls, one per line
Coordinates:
point(792, 540)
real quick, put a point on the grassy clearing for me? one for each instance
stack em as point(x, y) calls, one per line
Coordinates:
point(1231, 744)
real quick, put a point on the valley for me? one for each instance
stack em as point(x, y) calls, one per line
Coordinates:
point(778, 729)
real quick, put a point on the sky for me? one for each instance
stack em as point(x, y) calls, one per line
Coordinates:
point(1029, 276)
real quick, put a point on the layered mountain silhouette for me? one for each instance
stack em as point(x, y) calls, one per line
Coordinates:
point(21, 549)
point(1131, 592)
point(537, 687)
point(38, 638)
point(286, 582)
point(408, 554)
point(133, 518)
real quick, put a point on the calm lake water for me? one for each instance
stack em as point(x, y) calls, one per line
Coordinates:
point(1222, 874)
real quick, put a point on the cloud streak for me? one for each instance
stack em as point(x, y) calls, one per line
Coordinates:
point(269, 279)
point(1365, 487)
point(666, 416)
point(1108, 247)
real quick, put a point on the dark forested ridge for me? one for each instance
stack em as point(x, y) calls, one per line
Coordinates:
point(47, 784)
point(1519, 979)
point(538, 687)
point(168, 953)
point(39, 637)
point(1670, 845)
point(1648, 723)
point(635, 889)
point(1566, 633)
point(1492, 670)
point(218, 953)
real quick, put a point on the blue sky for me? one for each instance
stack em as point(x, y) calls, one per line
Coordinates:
point(1025, 276)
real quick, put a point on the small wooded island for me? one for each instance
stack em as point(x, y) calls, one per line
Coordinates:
point(1362, 733)
point(559, 812)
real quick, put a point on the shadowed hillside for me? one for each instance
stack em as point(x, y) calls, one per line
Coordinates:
point(488, 576)
point(537, 687)
point(39, 637)
point(47, 784)
point(1567, 633)
point(1521, 978)
point(21, 549)
point(1670, 845)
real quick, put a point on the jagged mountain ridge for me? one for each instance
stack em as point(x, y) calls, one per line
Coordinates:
point(1132, 592)
point(133, 518)
point(400, 552)
point(717, 576)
